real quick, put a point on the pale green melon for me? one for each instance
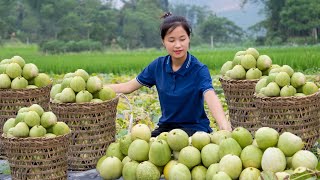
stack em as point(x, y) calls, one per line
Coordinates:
point(237, 60)
point(251, 157)
point(239, 53)
point(210, 154)
point(77, 84)
point(163, 136)
point(83, 96)
point(30, 71)
point(66, 83)
point(309, 88)
point(287, 69)
point(125, 142)
point(159, 153)
point(200, 139)
point(106, 93)
point(248, 61)
point(198, 172)
point(32, 118)
point(48, 119)
point(19, 83)
point(114, 150)
point(253, 73)
point(55, 90)
point(266, 137)
point(179, 171)
point(60, 128)
point(20, 130)
point(289, 143)
point(177, 139)
point(3, 68)
point(304, 158)
point(111, 168)
point(229, 146)
point(218, 136)
point(13, 70)
point(272, 89)
point(242, 136)
point(264, 62)
point(250, 173)
point(231, 164)
point(261, 84)
point(273, 160)
point(37, 108)
point(19, 60)
point(42, 80)
point(212, 170)
point(238, 72)
point(189, 156)
point(37, 131)
point(282, 79)
point(298, 79)
point(5, 81)
point(67, 95)
point(252, 51)
point(129, 170)
point(287, 90)
point(82, 73)
point(139, 150)
point(94, 84)
point(140, 131)
point(10, 123)
point(226, 67)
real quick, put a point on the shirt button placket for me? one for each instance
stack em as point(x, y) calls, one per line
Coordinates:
point(174, 82)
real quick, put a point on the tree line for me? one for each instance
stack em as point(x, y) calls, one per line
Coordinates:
point(77, 25)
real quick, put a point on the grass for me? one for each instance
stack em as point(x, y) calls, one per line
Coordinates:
point(304, 58)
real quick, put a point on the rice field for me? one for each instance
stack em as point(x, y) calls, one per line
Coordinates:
point(306, 59)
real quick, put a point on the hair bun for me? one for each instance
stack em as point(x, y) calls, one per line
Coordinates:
point(166, 15)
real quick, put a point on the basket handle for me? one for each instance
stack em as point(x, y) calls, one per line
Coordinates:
point(131, 112)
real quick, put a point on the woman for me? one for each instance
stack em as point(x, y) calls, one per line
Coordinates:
point(183, 83)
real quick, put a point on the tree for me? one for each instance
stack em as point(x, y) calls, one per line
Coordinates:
point(301, 17)
point(220, 29)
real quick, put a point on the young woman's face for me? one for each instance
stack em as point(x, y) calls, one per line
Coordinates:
point(177, 43)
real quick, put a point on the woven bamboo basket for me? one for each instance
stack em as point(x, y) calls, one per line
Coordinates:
point(93, 129)
point(11, 100)
point(37, 158)
point(298, 115)
point(240, 101)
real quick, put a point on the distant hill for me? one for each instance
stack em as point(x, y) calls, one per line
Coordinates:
point(244, 17)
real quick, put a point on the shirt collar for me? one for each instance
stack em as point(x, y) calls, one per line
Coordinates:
point(183, 69)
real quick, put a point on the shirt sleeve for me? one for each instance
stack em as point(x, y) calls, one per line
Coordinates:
point(205, 80)
point(147, 76)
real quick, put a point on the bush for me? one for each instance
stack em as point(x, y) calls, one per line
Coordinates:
point(57, 46)
point(300, 40)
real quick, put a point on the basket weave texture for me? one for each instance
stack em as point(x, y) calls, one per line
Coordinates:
point(93, 129)
point(239, 96)
point(11, 100)
point(298, 115)
point(37, 158)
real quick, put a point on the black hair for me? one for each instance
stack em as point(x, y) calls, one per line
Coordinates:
point(170, 22)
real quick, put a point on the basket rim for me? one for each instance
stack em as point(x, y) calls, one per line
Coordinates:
point(84, 103)
point(25, 89)
point(238, 80)
point(287, 97)
point(36, 138)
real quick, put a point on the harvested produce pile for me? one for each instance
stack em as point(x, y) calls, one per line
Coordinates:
point(33, 121)
point(79, 87)
point(219, 155)
point(15, 73)
point(36, 144)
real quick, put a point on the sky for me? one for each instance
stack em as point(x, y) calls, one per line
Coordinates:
point(244, 17)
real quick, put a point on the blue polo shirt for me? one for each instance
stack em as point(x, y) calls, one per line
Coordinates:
point(181, 92)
